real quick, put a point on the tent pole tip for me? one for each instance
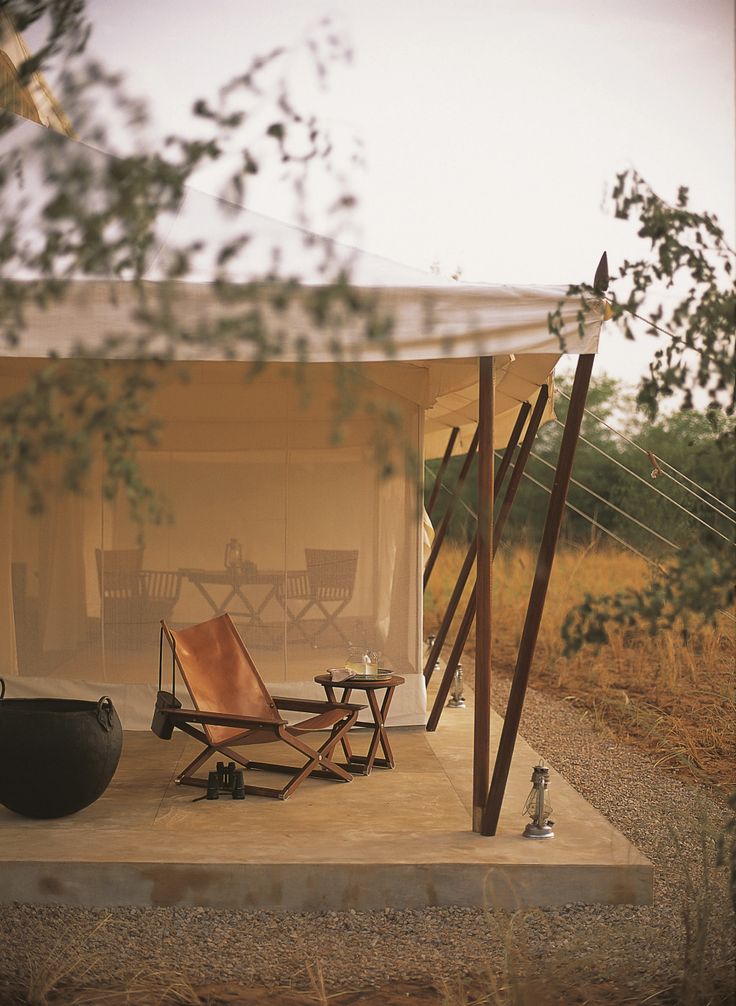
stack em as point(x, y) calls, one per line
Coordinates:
point(601, 280)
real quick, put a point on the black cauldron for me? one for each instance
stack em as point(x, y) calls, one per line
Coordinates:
point(56, 755)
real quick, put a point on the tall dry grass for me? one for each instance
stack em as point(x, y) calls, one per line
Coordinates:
point(674, 696)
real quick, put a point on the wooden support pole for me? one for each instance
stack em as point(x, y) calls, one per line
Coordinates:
point(538, 594)
point(467, 620)
point(462, 578)
point(441, 471)
point(444, 524)
point(483, 592)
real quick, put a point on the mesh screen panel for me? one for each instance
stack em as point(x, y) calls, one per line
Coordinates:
point(299, 540)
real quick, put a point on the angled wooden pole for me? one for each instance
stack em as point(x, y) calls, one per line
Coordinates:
point(520, 464)
point(441, 471)
point(483, 592)
point(469, 615)
point(462, 578)
point(452, 661)
point(508, 454)
point(538, 594)
point(444, 524)
point(452, 604)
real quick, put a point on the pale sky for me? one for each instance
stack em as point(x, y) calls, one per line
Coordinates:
point(492, 128)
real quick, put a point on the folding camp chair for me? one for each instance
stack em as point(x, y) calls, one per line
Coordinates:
point(131, 595)
point(232, 707)
point(119, 579)
point(326, 584)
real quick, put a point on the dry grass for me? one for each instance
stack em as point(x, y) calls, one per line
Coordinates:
point(68, 973)
point(676, 699)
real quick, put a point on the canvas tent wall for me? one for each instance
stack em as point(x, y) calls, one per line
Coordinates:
point(248, 460)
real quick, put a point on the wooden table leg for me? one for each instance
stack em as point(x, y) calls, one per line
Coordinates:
point(388, 753)
point(379, 734)
point(346, 693)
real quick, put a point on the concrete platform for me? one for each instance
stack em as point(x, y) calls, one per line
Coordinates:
point(398, 839)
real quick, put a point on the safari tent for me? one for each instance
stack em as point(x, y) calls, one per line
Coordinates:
point(275, 515)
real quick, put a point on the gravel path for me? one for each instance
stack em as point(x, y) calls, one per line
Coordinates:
point(578, 953)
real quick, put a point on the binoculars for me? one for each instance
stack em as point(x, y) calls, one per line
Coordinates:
point(226, 779)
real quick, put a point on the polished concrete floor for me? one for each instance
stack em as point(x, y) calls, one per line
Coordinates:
point(400, 838)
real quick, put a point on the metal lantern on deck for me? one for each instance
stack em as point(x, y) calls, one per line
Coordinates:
point(457, 699)
point(537, 805)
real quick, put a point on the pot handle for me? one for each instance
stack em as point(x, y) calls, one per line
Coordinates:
point(105, 710)
point(2, 689)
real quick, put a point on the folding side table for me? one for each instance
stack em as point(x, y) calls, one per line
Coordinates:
point(371, 686)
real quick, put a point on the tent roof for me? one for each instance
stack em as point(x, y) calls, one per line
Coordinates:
point(438, 325)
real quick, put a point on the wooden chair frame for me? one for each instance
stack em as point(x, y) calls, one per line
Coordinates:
point(326, 585)
point(337, 717)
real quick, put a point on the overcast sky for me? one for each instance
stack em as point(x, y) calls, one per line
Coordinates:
point(492, 128)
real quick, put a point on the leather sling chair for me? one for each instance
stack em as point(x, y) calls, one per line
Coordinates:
point(233, 708)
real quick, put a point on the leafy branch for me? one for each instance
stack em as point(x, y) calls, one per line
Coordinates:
point(108, 218)
point(683, 291)
point(71, 411)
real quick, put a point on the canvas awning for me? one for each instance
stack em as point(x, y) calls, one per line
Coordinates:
point(436, 325)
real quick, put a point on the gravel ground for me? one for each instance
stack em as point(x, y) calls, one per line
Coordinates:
point(578, 953)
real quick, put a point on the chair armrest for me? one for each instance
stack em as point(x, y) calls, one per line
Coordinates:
point(220, 719)
point(313, 705)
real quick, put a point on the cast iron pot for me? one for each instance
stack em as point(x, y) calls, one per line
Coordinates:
point(56, 755)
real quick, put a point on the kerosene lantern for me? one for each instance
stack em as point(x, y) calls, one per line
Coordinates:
point(233, 555)
point(537, 805)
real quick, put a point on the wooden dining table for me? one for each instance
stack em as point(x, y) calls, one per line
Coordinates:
point(222, 587)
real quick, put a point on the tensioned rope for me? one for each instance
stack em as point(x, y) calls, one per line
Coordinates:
point(586, 516)
point(595, 523)
point(682, 485)
point(581, 513)
point(621, 541)
point(613, 506)
point(650, 486)
point(450, 492)
point(659, 328)
point(660, 460)
point(644, 481)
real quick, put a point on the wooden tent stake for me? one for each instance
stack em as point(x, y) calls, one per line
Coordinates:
point(442, 529)
point(441, 471)
point(467, 620)
point(462, 578)
point(538, 594)
point(483, 591)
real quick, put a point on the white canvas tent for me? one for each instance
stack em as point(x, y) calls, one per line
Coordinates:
point(249, 459)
